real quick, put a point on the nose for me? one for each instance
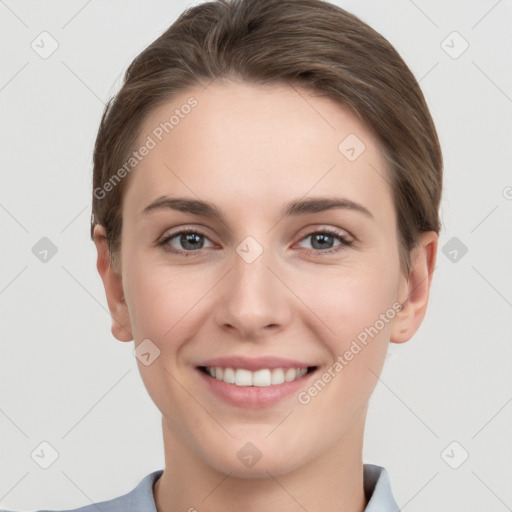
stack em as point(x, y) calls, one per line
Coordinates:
point(253, 300)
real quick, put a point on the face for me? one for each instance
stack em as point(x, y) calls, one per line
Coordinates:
point(282, 252)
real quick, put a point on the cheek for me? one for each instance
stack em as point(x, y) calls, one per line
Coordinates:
point(363, 303)
point(357, 307)
point(163, 302)
point(358, 310)
point(161, 299)
point(352, 299)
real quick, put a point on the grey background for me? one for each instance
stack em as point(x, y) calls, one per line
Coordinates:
point(66, 380)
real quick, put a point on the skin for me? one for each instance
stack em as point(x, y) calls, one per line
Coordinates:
point(249, 149)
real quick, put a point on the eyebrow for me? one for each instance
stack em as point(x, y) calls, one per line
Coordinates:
point(291, 209)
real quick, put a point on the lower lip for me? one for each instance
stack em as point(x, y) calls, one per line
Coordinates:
point(254, 396)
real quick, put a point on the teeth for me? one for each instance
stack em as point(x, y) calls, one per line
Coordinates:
point(262, 378)
point(259, 378)
point(290, 374)
point(229, 375)
point(242, 377)
point(277, 376)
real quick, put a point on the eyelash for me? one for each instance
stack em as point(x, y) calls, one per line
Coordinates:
point(343, 239)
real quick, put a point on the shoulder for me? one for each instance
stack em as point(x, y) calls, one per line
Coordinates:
point(139, 499)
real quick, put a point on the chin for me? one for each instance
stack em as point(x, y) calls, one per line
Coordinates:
point(259, 471)
point(251, 463)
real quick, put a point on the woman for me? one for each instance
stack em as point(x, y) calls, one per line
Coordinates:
point(265, 211)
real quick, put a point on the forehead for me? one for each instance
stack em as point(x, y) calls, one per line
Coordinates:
point(251, 145)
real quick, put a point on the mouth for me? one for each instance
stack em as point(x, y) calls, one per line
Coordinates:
point(254, 382)
point(265, 377)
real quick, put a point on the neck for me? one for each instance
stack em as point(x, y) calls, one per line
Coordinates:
point(331, 482)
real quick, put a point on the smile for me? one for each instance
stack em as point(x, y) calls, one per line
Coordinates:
point(260, 378)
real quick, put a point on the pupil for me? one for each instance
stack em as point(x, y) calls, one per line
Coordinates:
point(322, 238)
point(189, 238)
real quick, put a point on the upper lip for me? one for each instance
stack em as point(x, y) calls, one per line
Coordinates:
point(255, 363)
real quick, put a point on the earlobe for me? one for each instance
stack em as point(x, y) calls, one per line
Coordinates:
point(121, 325)
point(416, 289)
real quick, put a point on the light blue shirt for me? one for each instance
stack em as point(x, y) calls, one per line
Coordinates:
point(377, 489)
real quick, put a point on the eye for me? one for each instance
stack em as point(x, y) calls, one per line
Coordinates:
point(322, 241)
point(190, 241)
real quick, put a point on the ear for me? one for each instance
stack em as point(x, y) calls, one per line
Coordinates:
point(121, 325)
point(414, 291)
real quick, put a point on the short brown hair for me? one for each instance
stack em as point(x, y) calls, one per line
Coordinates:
point(312, 44)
